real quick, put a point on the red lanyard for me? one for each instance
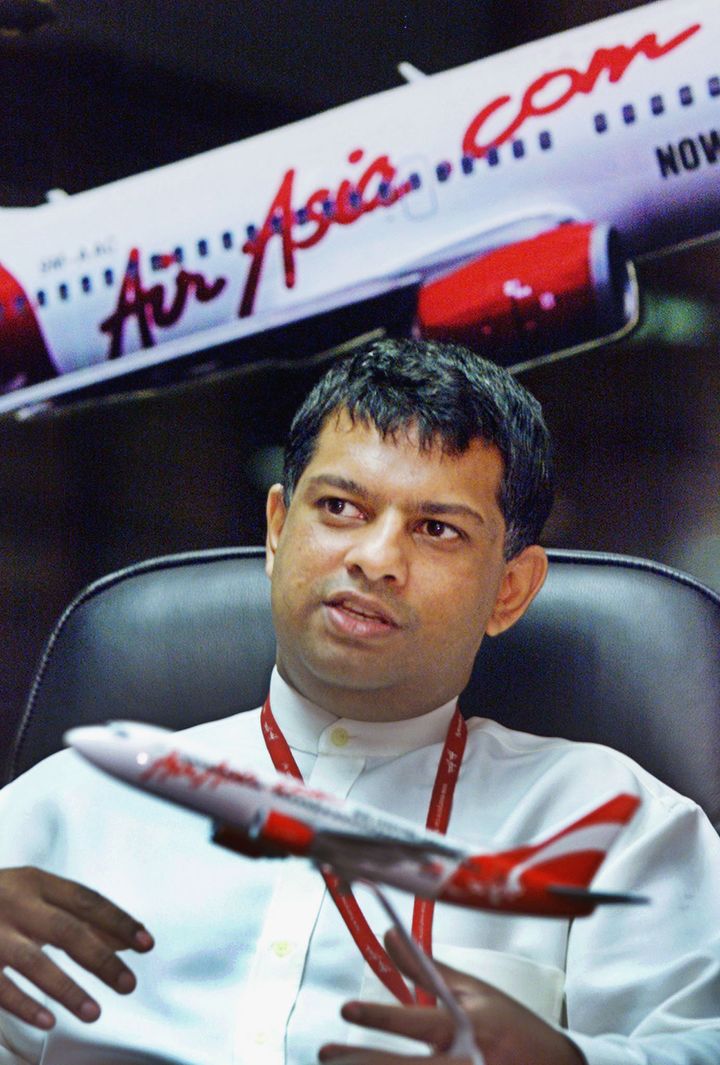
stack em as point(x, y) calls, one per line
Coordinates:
point(437, 819)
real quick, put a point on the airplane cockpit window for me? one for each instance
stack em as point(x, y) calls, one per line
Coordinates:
point(227, 240)
point(63, 291)
point(628, 113)
point(657, 105)
point(686, 95)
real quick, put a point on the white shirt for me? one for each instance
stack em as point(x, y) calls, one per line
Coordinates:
point(252, 961)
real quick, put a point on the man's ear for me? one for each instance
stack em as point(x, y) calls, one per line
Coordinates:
point(275, 513)
point(523, 578)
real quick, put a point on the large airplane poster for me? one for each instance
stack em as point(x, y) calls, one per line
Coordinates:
point(507, 197)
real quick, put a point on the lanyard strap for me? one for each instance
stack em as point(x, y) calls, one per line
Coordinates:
point(438, 817)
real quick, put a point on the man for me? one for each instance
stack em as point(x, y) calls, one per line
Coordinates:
point(417, 481)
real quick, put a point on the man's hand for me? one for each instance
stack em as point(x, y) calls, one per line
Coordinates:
point(36, 909)
point(505, 1032)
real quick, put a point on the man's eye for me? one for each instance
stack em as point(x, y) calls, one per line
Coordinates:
point(339, 507)
point(439, 530)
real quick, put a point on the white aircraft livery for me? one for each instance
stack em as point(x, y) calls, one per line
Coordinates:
point(508, 196)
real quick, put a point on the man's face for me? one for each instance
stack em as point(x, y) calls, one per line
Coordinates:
point(387, 570)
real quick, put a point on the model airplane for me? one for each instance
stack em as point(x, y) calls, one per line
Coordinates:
point(506, 197)
point(277, 816)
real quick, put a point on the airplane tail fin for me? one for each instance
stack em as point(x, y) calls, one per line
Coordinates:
point(568, 860)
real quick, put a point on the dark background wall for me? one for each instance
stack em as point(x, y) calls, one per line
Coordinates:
point(109, 90)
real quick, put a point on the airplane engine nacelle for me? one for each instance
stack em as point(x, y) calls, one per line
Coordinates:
point(557, 290)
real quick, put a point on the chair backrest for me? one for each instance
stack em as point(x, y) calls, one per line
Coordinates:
point(614, 650)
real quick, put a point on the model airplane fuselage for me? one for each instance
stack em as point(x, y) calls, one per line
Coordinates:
point(508, 193)
point(276, 816)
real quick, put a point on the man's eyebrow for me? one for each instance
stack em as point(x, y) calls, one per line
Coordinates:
point(425, 506)
point(449, 510)
point(344, 484)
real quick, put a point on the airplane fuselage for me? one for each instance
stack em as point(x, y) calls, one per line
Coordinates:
point(616, 123)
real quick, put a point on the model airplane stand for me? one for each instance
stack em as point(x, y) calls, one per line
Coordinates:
point(463, 1044)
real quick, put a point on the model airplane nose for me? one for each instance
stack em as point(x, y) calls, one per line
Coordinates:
point(97, 743)
point(117, 747)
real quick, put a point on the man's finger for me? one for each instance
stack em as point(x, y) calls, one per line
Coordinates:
point(31, 962)
point(89, 950)
point(425, 1023)
point(344, 1055)
point(22, 1006)
point(91, 907)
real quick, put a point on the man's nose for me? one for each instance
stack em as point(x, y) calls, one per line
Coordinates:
point(379, 551)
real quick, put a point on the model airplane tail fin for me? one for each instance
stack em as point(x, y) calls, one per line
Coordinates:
point(571, 857)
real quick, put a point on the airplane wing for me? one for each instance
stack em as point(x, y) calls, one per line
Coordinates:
point(333, 846)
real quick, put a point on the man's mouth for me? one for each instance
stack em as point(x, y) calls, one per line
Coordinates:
point(356, 616)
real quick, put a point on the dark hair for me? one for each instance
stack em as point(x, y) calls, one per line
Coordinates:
point(449, 395)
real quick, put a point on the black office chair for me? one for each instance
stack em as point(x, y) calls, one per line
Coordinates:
point(614, 650)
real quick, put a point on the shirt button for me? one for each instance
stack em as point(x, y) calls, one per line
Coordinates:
point(339, 737)
point(281, 948)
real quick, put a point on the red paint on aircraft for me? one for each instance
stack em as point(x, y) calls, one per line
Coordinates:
point(24, 357)
point(532, 290)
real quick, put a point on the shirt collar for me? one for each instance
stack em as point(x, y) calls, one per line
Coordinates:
point(308, 728)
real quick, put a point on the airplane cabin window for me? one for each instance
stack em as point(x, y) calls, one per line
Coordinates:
point(108, 275)
point(545, 140)
point(686, 96)
point(468, 164)
point(600, 123)
point(227, 240)
point(657, 106)
point(493, 157)
point(202, 247)
point(179, 255)
point(156, 262)
point(518, 149)
point(714, 85)
point(328, 208)
point(41, 298)
point(63, 291)
point(442, 170)
point(415, 181)
point(86, 284)
point(628, 113)
point(252, 230)
point(20, 304)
